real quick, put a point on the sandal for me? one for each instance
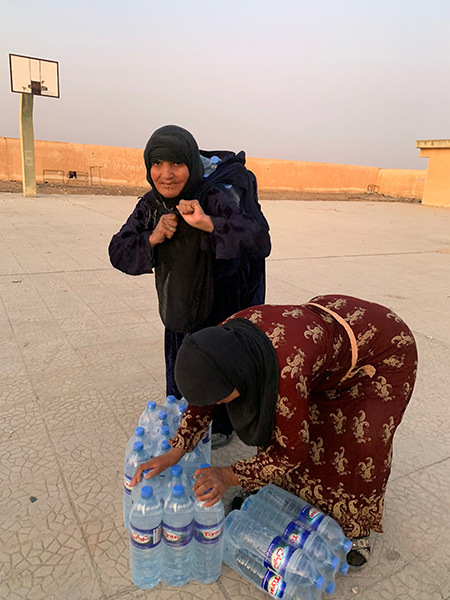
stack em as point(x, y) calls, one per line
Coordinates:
point(360, 552)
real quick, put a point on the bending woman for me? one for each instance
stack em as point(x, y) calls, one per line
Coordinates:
point(320, 390)
point(208, 252)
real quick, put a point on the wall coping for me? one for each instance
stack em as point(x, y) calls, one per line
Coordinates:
point(433, 144)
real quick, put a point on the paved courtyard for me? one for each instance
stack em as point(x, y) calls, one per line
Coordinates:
point(81, 353)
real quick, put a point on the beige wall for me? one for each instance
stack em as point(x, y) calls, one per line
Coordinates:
point(109, 165)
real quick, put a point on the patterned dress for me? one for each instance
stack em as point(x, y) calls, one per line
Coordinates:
point(332, 438)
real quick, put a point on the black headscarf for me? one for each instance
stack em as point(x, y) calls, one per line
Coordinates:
point(173, 143)
point(215, 360)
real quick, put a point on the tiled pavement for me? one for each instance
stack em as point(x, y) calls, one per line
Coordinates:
point(81, 353)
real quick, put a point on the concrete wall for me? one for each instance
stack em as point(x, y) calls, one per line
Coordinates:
point(108, 165)
point(437, 188)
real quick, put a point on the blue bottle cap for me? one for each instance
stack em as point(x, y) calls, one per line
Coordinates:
point(162, 414)
point(344, 569)
point(176, 470)
point(165, 445)
point(330, 589)
point(151, 404)
point(147, 491)
point(320, 581)
point(165, 429)
point(182, 408)
point(138, 446)
point(347, 546)
point(334, 563)
point(139, 431)
point(204, 466)
point(146, 471)
point(171, 399)
point(215, 160)
point(178, 490)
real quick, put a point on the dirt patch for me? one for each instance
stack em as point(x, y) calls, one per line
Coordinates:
point(104, 190)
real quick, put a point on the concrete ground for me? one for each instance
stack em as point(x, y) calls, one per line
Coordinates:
point(81, 351)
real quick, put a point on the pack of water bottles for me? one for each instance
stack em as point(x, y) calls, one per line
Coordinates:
point(173, 536)
point(285, 546)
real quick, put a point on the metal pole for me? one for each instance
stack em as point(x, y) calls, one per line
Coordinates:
point(27, 145)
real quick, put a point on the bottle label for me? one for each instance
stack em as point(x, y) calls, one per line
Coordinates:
point(207, 435)
point(273, 584)
point(178, 536)
point(126, 484)
point(278, 555)
point(296, 534)
point(312, 517)
point(145, 538)
point(208, 534)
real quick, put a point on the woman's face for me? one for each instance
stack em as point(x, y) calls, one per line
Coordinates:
point(169, 177)
point(234, 394)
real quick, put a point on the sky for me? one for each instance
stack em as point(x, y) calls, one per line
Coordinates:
point(337, 81)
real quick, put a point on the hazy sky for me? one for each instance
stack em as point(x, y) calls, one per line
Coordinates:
point(343, 81)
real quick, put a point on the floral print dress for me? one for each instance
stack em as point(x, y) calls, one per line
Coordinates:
point(332, 437)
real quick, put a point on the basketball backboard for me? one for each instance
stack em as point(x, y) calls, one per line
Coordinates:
point(34, 76)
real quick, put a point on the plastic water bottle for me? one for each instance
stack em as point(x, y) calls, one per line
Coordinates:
point(209, 164)
point(171, 408)
point(178, 530)
point(181, 409)
point(312, 518)
point(149, 416)
point(296, 535)
point(183, 402)
point(158, 437)
point(138, 456)
point(139, 435)
point(165, 475)
point(291, 563)
point(208, 540)
point(156, 485)
point(232, 191)
point(145, 538)
point(190, 462)
point(260, 576)
point(177, 477)
point(205, 444)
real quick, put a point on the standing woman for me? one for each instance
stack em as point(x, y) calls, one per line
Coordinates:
point(319, 388)
point(207, 251)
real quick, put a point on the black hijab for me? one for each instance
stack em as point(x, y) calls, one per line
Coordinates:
point(184, 280)
point(215, 360)
point(173, 143)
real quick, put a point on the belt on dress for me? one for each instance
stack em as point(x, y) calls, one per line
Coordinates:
point(368, 369)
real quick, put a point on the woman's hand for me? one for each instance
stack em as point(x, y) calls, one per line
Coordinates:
point(158, 464)
point(193, 214)
point(167, 225)
point(213, 482)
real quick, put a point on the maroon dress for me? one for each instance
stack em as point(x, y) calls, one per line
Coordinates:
point(332, 437)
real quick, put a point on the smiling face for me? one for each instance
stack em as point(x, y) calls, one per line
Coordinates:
point(169, 177)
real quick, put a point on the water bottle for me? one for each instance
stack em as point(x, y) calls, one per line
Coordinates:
point(209, 164)
point(155, 483)
point(260, 576)
point(139, 435)
point(190, 462)
point(181, 409)
point(145, 537)
point(205, 444)
point(312, 518)
point(291, 563)
point(162, 434)
point(165, 475)
point(296, 535)
point(149, 416)
point(183, 402)
point(178, 530)
point(171, 408)
point(177, 477)
point(232, 191)
point(138, 456)
point(208, 540)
